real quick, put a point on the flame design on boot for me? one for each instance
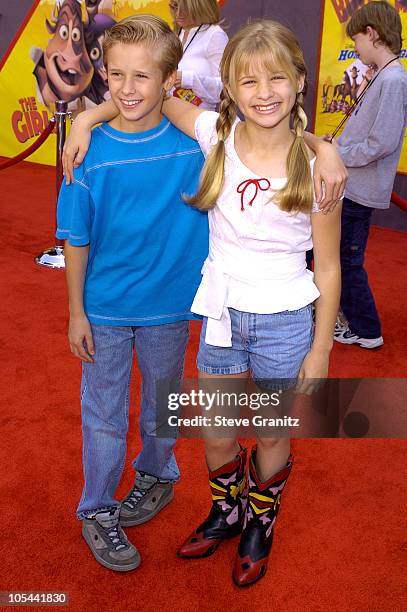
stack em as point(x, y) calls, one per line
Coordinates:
point(228, 486)
point(260, 517)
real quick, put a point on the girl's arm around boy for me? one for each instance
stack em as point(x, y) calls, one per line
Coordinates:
point(329, 172)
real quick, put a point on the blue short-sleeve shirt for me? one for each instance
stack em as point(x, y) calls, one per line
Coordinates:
point(146, 245)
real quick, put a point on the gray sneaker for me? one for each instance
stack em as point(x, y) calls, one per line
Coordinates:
point(148, 496)
point(108, 542)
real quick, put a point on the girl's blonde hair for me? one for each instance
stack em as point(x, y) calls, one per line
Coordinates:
point(148, 30)
point(276, 49)
point(201, 12)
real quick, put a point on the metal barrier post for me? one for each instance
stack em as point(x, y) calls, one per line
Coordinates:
point(54, 257)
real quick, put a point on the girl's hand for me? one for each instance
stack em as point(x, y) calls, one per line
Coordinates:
point(80, 338)
point(313, 372)
point(75, 148)
point(330, 176)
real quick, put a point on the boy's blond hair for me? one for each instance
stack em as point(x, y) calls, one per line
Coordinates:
point(148, 30)
point(383, 18)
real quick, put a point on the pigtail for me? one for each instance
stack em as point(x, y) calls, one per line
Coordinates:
point(298, 193)
point(213, 173)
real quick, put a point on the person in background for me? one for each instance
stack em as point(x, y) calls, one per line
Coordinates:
point(370, 147)
point(203, 41)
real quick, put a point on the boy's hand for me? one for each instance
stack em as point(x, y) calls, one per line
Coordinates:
point(75, 147)
point(80, 338)
point(330, 176)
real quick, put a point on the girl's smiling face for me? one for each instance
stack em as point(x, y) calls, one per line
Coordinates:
point(266, 97)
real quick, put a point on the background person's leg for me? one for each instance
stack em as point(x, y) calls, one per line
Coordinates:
point(357, 301)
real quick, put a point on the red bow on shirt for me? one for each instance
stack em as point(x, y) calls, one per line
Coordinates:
point(258, 185)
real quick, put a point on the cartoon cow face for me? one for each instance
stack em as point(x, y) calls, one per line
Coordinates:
point(69, 68)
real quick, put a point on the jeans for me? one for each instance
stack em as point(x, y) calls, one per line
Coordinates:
point(357, 301)
point(271, 346)
point(105, 402)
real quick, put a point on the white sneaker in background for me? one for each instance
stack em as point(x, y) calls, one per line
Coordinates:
point(344, 335)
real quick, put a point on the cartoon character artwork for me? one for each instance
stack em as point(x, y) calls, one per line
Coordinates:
point(71, 66)
point(345, 107)
point(354, 83)
point(343, 89)
point(92, 7)
point(325, 93)
point(344, 93)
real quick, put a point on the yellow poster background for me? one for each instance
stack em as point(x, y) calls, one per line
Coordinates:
point(338, 57)
point(23, 115)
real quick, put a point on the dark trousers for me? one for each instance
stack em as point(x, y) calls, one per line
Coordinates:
point(357, 300)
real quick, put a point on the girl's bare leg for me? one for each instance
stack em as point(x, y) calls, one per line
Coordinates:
point(221, 450)
point(272, 455)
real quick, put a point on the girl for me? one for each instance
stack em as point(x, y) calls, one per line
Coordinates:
point(256, 294)
point(203, 40)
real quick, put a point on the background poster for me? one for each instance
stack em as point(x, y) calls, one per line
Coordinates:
point(58, 56)
point(340, 70)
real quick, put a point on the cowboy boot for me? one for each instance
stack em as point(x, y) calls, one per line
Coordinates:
point(225, 520)
point(261, 513)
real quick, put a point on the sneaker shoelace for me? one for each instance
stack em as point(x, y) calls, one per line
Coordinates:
point(135, 496)
point(116, 536)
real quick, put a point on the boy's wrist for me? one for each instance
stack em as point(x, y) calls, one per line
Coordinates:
point(76, 312)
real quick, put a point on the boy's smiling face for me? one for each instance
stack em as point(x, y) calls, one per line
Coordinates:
point(136, 86)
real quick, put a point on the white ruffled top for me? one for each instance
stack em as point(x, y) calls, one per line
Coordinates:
point(256, 260)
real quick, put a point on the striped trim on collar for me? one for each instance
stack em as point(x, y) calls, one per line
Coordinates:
point(136, 140)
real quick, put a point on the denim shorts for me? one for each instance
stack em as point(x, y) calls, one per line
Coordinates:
point(271, 346)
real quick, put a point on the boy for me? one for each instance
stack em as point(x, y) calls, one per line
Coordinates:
point(370, 147)
point(134, 251)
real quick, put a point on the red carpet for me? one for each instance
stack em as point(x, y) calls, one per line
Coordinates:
point(339, 541)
